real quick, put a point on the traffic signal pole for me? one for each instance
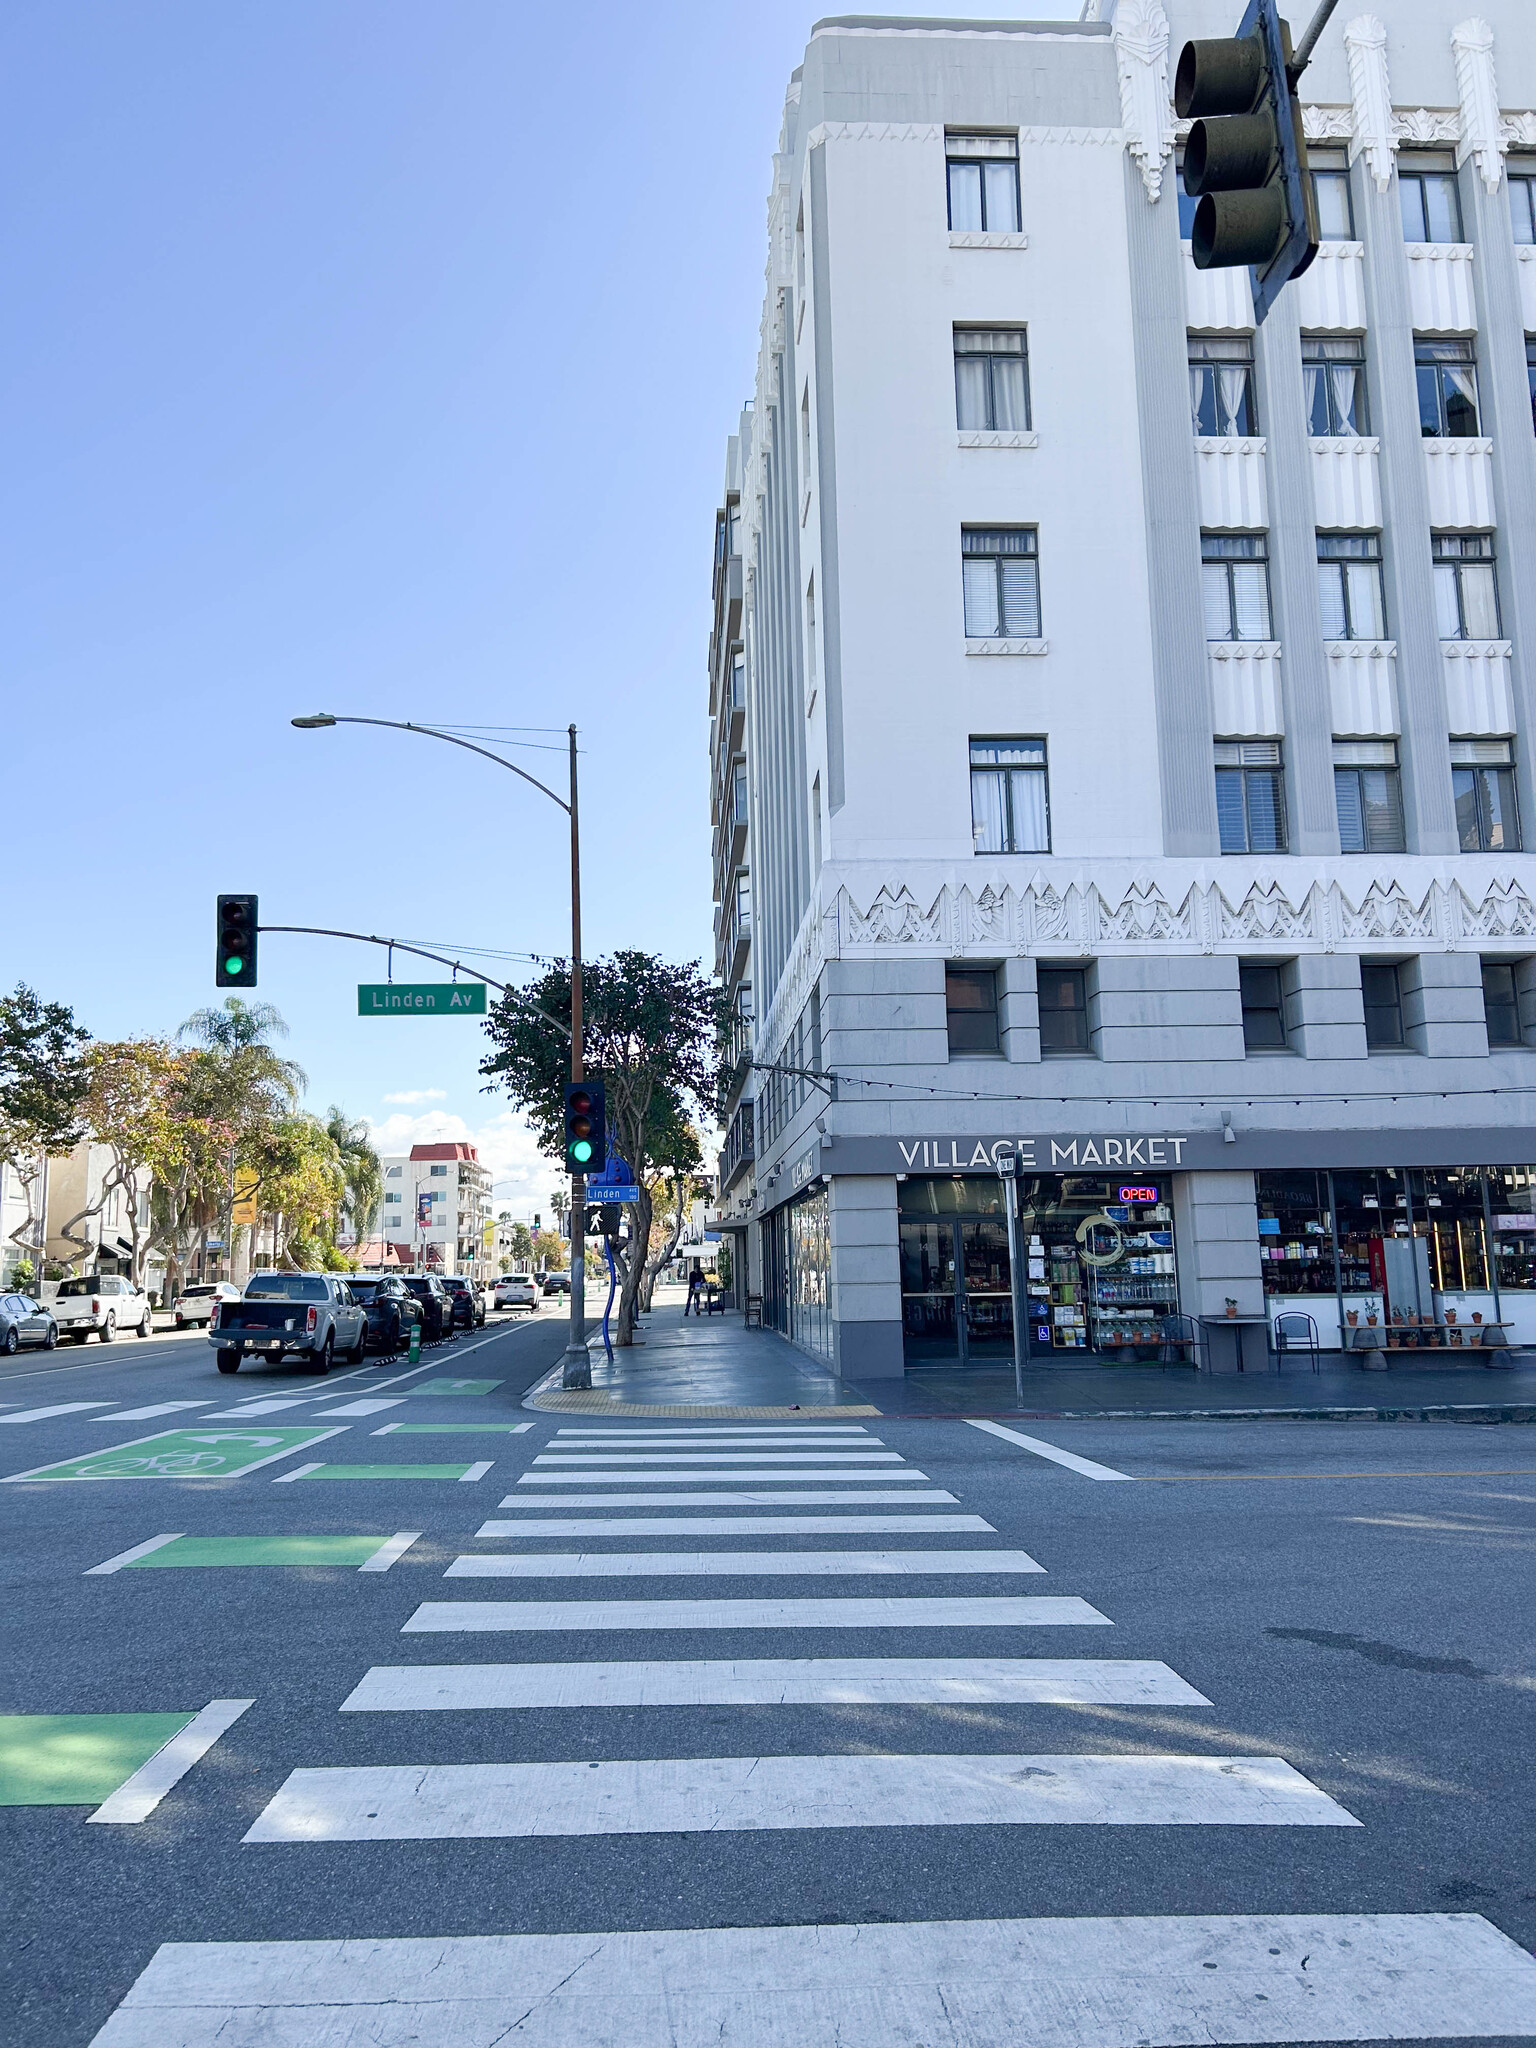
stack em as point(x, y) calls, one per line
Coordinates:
point(578, 1363)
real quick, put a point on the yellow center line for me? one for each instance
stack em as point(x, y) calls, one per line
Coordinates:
point(1477, 1472)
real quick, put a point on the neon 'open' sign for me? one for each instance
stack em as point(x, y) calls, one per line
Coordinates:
point(1138, 1194)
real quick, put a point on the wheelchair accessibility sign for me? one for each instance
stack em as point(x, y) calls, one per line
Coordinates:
point(184, 1454)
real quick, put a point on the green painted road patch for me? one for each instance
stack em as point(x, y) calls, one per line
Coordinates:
point(77, 1759)
point(385, 1472)
point(215, 1550)
point(184, 1454)
point(454, 1387)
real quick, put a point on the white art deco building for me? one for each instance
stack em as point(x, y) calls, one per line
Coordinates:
point(1123, 719)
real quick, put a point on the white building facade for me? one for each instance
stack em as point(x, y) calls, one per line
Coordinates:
point(1139, 708)
point(436, 1205)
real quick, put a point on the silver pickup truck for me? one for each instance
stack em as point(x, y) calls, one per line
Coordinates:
point(309, 1315)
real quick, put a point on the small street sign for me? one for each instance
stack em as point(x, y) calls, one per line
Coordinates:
point(421, 999)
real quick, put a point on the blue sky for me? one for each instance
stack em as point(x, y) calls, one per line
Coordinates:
point(373, 357)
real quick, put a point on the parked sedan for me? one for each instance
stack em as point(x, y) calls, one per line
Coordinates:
point(25, 1321)
point(517, 1290)
point(468, 1302)
point(392, 1311)
point(557, 1283)
point(436, 1306)
point(195, 1303)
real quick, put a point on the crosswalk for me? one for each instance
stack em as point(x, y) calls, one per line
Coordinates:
point(1152, 1981)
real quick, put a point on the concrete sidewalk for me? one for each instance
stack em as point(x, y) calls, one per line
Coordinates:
point(712, 1366)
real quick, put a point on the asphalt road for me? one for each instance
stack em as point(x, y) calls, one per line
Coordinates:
point(1354, 1601)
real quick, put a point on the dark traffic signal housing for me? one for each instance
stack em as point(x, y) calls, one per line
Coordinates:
point(1246, 158)
point(586, 1133)
point(235, 965)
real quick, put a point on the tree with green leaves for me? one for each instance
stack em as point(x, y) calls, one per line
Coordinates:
point(652, 1032)
point(361, 1171)
point(43, 1086)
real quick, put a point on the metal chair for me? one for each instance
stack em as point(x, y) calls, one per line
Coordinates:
point(753, 1319)
point(1296, 1331)
point(1180, 1334)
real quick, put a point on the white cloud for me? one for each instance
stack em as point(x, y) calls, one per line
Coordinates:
point(419, 1095)
point(523, 1177)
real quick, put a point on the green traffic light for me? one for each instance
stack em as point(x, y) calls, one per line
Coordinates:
point(581, 1150)
point(234, 964)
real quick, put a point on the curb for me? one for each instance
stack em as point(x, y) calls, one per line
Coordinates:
point(1481, 1412)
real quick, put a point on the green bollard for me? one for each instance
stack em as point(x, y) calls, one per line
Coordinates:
point(415, 1350)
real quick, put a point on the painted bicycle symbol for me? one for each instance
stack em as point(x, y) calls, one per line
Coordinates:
point(168, 1465)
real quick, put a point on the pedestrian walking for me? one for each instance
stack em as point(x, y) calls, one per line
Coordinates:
point(695, 1299)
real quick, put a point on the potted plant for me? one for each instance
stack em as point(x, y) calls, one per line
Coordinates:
point(1231, 1306)
point(1352, 1317)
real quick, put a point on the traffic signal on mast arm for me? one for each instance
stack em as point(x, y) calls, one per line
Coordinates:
point(1246, 158)
point(235, 966)
point(586, 1135)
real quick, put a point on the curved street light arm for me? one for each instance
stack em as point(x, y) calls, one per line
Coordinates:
point(321, 931)
point(431, 732)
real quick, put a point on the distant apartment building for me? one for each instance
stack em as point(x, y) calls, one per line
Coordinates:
point(437, 1202)
point(1124, 714)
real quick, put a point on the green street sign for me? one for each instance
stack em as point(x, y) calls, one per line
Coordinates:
point(421, 999)
point(185, 1454)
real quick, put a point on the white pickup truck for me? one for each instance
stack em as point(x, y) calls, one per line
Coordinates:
point(103, 1303)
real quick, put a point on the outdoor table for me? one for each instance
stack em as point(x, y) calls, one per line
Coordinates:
point(1237, 1325)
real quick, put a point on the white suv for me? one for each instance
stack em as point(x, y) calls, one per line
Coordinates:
point(517, 1291)
point(195, 1303)
point(101, 1302)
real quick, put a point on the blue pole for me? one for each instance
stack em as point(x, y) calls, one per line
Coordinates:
point(613, 1288)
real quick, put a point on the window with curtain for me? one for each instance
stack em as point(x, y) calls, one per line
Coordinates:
point(1466, 587)
point(1221, 385)
point(1447, 380)
point(1381, 991)
point(1350, 586)
point(1010, 797)
point(1063, 997)
point(1335, 214)
point(1235, 579)
point(1431, 205)
point(1001, 576)
point(970, 1008)
point(992, 379)
point(1483, 784)
point(1333, 375)
point(1368, 794)
point(983, 172)
point(1250, 796)
point(1501, 1003)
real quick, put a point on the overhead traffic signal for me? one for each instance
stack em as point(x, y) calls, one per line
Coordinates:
point(1246, 157)
point(235, 965)
point(586, 1134)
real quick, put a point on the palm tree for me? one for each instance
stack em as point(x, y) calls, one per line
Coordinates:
point(248, 1028)
point(360, 1166)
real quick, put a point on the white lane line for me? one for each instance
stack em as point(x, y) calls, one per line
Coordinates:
point(742, 1564)
point(501, 1617)
point(784, 1496)
point(593, 1432)
point(266, 1407)
point(298, 1472)
point(115, 1564)
point(477, 1471)
point(719, 1457)
point(800, 1474)
point(480, 1802)
point(368, 1406)
point(58, 1408)
point(774, 1682)
point(1073, 1463)
point(1160, 1981)
point(391, 1552)
point(734, 1440)
point(155, 1408)
point(137, 1797)
point(745, 1525)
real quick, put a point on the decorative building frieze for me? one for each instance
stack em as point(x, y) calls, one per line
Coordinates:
point(1007, 646)
point(1246, 700)
point(1441, 299)
point(973, 238)
point(1346, 482)
point(1460, 484)
point(1362, 688)
point(1332, 289)
point(1328, 124)
point(1517, 131)
point(1427, 127)
point(1365, 44)
point(1141, 58)
point(1478, 92)
point(1230, 474)
point(1216, 301)
point(933, 132)
point(986, 437)
point(1479, 692)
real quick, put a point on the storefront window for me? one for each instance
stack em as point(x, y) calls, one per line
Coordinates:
point(810, 1273)
point(1511, 1201)
point(1295, 1234)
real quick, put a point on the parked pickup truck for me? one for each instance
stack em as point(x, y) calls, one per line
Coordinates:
point(101, 1302)
point(309, 1315)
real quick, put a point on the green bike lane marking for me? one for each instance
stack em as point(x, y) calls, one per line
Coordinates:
point(466, 1473)
point(249, 1550)
point(77, 1759)
point(184, 1454)
point(453, 1387)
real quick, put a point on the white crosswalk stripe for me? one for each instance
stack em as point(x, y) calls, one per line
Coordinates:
point(478, 1617)
point(781, 1497)
point(755, 1564)
point(718, 1455)
point(743, 1525)
point(837, 1476)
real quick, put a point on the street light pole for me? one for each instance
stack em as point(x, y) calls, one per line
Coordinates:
point(578, 1366)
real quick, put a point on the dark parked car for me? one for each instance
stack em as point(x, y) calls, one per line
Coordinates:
point(557, 1283)
point(25, 1321)
point(436, 1306)
point(392, 1311)
point(468, 1302)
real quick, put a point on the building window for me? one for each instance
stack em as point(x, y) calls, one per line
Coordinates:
point(1063, 1009)
point(1235, 577)
point(1368, 794)
point(1001, 573)
point(992, 379)
point(1350, 587)
point(1530, 374)
point(393, 1172)
point(1431, 206)
point(1483, 781)
point(392, 1195)
point(1010, 798)
point(1221, 385)
point(1263, 1008)
point(1522, 208)
point(743, 900)
point(1501, 1003)
point(1383, 998)
point(738, 681)
point(438, 1173)
point(1250, 796)
point(983, 184)
point(970, 1008)
point(1333, 372)
point(1335, 214)
point(1447, 374)
point(1466, 589)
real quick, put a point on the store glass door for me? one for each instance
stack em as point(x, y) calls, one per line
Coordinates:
point(930, 1324)
point(986, 1318)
